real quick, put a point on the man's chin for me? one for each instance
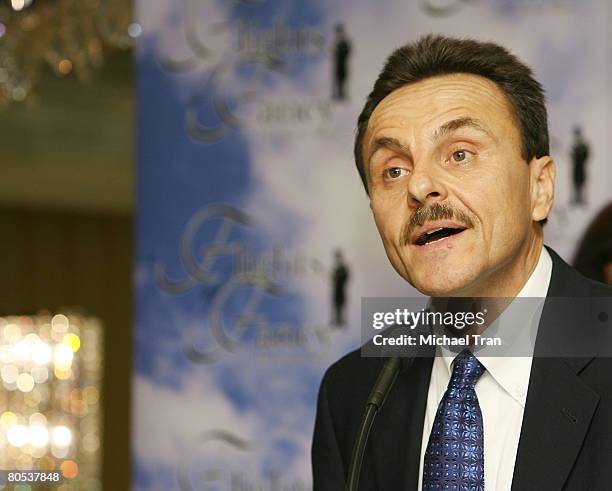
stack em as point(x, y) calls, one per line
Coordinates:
point(438, 291)
point(444, 283)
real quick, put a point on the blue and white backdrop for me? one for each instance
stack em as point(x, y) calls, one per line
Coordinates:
point(246, 188)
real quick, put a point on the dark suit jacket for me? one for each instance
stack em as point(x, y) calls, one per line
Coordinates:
point(566, 437)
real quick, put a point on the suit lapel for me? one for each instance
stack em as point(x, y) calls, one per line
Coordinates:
point(559, 406)
point(558, 413)
point(397, 433)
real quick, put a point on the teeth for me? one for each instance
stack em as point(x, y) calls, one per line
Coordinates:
point(433, 231)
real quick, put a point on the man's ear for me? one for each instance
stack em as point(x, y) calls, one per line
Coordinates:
point(542, 172)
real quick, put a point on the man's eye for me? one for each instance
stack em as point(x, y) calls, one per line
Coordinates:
point(460, 156)
point(394, 172)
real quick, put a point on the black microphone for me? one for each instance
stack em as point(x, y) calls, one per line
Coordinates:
point(376, 399)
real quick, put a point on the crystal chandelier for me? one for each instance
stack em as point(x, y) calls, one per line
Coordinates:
point(50, 378)
point(69, 36)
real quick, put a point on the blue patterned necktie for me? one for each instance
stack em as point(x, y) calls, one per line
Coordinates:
point(454, 459)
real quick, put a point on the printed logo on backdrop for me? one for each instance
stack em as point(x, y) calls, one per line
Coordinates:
point(239, 64)
point(231, 454)
point(226, 268)
point(445, 8)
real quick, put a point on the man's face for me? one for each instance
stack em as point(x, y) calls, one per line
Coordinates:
point(452, 197)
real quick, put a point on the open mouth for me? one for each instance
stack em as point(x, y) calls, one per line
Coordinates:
point(436, 235)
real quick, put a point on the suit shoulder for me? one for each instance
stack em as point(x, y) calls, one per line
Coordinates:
point(353, 367)
point(599, 289)
point(567, 281)
point(350, 379)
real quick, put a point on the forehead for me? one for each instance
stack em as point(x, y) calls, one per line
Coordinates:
point(424, 105)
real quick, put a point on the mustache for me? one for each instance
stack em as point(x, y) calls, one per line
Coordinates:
point(437, 211)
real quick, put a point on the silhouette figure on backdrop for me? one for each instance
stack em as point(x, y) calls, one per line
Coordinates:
point(340, 276)
point(594, 255)
point(580, 155)
point(341, 54)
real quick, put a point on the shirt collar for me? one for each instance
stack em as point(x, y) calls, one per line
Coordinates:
point(537, 284)
point(512, 373)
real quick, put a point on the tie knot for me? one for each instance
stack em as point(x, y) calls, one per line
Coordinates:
point(466, 370)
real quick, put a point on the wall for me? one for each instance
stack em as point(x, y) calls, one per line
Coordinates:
point(53, 259)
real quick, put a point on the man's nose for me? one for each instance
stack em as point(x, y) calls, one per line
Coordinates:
point(425, 186)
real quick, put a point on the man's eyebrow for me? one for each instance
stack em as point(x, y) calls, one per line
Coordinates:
point(445, 129)
point(459, 123)
point(387, 142)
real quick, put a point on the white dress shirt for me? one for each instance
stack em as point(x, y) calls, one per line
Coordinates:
point(501, 391)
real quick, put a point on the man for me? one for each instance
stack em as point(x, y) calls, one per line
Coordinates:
point(594, 252)
point(580, 155)
point(452, 147)
point(340, 277)
point(341, 54)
